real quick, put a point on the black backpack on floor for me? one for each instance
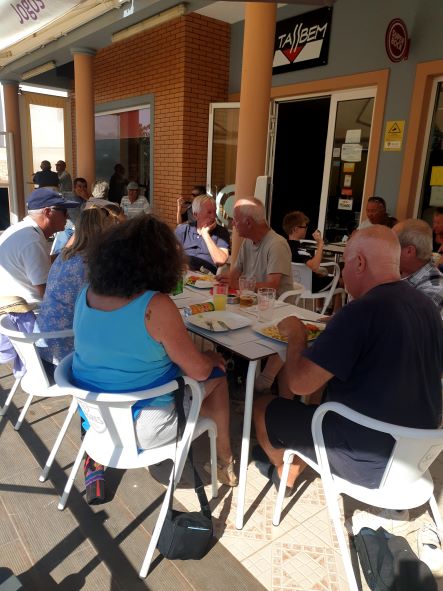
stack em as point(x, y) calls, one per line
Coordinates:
point(389, 564)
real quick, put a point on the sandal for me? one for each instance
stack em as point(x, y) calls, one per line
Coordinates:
point(94, 482)
point(226, 474)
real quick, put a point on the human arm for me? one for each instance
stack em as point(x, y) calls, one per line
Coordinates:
point(314, 262)
point(219, 253)
point(182, 206)
point(146, 206)
point(40, 289)
point(303, 376)
point(165, 325)
point(230, 278)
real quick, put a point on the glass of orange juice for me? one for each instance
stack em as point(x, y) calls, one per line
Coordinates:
point(220, 296)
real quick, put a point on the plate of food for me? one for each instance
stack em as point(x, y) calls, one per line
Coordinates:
point(218, 321)
point(200, 281)
point(271, 331)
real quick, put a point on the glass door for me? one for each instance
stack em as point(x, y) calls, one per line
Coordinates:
point(347, 148)
point(318, 153)
point(222, 145)
point(430, 194)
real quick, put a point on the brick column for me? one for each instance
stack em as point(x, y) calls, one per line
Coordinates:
point(84, 112)
point(12, 124)
point(255, 94)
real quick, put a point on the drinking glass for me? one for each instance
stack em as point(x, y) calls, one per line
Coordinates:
point(265, 303)
point(220, 296)
point(248, 296)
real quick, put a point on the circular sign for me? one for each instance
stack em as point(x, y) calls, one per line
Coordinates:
point(396, 41)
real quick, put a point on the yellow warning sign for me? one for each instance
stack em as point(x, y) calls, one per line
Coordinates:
point(393, 136)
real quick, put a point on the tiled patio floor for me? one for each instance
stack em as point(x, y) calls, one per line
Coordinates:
point(101, 548)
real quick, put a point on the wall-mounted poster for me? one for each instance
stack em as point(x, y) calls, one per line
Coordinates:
point(302, 41)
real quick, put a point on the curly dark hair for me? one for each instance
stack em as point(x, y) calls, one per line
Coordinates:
point(130, 258)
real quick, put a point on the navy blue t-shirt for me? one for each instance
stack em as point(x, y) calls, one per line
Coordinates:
point(195, 247)
point(385, 350)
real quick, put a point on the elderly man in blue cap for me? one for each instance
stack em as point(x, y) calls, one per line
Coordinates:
point(24, 250)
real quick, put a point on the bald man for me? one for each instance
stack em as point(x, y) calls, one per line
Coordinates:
point(264, 253)
point(380, 355)
point(416, 264)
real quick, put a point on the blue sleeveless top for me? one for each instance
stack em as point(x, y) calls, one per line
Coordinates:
point(115, 353)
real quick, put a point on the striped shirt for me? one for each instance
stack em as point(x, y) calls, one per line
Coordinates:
point(139, 206)
point(429, 280)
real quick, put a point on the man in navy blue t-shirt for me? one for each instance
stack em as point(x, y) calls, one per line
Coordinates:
point(381, 355)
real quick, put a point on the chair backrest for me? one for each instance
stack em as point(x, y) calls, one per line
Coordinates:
point(110, 417)
point(301, 273)
point(35, 380)
point(414, 449)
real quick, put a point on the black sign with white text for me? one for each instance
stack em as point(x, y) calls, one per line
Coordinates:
point(302, 41)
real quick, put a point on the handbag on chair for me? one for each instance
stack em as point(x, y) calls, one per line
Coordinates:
point(186, 535)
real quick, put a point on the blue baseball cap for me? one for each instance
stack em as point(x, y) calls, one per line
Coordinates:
point(44, 197)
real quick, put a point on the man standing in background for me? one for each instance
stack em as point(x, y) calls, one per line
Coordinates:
point(64, 178)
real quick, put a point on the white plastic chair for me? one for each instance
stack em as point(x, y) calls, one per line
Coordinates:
point(111, 438)
point(35, 381)
point(301, 273)
point(406, 482)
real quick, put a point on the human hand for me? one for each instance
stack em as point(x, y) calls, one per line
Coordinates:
point(223, 279)
point(290, 326)
point(317, 237)
point(217, 359)
point(182, 204)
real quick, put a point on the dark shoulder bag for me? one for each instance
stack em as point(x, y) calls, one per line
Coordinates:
point(186, 535)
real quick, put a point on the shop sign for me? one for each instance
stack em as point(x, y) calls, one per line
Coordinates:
point(302, 41)
point(396, 41)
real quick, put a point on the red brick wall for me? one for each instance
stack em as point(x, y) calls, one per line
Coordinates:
point(184, 64)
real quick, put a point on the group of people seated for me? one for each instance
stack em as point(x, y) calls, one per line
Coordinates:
point(381, 354)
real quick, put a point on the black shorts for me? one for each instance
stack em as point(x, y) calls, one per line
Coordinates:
point(288, 424)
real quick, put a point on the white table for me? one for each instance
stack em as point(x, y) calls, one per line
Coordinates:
point(337, 248)
point(252, 346)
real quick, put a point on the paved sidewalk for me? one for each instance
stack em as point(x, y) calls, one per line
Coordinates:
point(82, 547)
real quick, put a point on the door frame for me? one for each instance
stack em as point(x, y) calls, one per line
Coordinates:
point(378, 79)
point(419, 186)
point(335, 96)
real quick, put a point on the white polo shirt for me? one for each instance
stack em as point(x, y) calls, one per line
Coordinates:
point(24, 260)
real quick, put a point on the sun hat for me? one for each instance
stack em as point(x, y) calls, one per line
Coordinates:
point(44, 197)
point(132, 185)
point(9, 304)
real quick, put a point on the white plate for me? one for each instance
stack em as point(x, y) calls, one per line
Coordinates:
point(201, 284)
point(259, 328)
point(210, 321)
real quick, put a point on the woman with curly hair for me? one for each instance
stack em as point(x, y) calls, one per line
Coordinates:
point(130, 336)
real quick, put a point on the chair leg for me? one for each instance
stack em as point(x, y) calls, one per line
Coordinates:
point(4, 410)
point(63, 499)
point(281, 491)
point(157, 530)
point(212, 434)
point(436, 513)
point(71, 411)
point(18, 424)
point(334, 514)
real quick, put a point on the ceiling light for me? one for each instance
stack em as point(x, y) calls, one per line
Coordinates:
point(38, 70)
point(151, 22)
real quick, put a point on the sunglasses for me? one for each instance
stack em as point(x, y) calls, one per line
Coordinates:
point(63, 209)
